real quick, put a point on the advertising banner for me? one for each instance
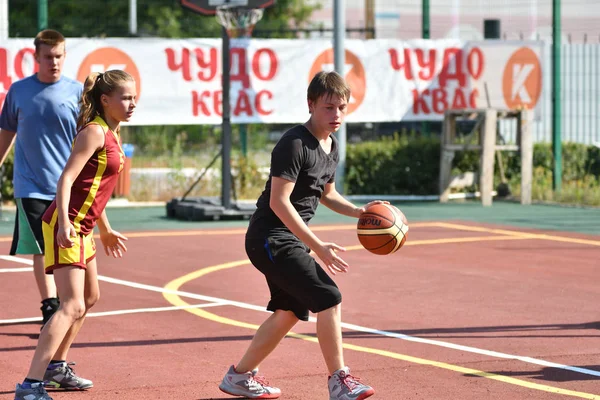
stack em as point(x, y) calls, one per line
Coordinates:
point(179, 80)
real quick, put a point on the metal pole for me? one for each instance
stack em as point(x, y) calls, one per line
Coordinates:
point(556, 100)
point(244, 139)
point(425, 24)
point(426, 34)
point(339, 57)
point(533, 19)
point(133, 17)
point(226, 125)
point(456, 18)
point(42, 14)
point(3, 20)
point(3, 36)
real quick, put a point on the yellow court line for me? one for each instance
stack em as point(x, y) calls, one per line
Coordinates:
point(211, 232)
point(323, 228)
point(449, 240)
point(470, 228)
point(175, 300)
point(525, 235)
point(506, 234)
point(237, 231)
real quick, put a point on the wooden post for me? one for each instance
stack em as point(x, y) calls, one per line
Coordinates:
point(370, 19)
point(445, 174)
point(446, 157)
point(486, 180)
point(526, 147)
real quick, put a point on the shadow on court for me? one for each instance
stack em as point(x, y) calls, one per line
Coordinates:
point(33, 336)
point(137, 343)
point(221, 398)
point(550, 374)
point(486, 329)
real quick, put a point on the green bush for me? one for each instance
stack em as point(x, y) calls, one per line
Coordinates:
point(7, 176)
point(248, 179)
point(404, 164)
point(593, 161)
point(397, 165)
point(410, 165)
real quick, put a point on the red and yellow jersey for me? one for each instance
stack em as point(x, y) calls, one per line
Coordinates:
point(95, 184)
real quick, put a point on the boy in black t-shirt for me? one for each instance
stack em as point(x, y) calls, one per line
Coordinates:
point(278, 242)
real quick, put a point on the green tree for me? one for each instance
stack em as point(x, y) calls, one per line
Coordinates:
point(156, 18)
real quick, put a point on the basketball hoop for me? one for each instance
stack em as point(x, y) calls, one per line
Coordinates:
point(238, 21)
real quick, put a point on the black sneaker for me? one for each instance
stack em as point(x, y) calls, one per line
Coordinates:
point(49, 307)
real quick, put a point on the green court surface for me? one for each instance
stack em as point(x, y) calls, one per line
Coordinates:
point(546, 217)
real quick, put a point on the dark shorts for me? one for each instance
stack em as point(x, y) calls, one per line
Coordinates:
point(296, 281)
point(28, 237)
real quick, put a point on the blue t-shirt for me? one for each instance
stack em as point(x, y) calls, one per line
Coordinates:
point(44, 117)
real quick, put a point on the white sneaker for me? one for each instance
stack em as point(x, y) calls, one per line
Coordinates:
point(248, 384)
point(343, 386)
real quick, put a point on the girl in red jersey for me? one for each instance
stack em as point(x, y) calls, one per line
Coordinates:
point(84, 188)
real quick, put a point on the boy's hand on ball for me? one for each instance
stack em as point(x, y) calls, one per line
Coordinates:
point(372, 203)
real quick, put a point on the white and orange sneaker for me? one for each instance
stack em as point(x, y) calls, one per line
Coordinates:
point(248, 385)
point(343, 386)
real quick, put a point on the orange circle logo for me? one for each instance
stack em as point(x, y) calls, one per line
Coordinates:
point(354, 73)
point(107, 58)
point(522, 79)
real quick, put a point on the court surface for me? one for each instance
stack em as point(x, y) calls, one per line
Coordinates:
point(481, 303)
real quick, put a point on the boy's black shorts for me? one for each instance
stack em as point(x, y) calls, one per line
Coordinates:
point(27, 236)
point(296, 281)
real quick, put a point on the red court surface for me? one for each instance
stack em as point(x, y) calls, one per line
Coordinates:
point(463, 312)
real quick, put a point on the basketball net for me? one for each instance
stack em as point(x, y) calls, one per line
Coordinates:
point(238, 21)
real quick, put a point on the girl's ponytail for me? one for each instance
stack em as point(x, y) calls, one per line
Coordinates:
point(88, 105)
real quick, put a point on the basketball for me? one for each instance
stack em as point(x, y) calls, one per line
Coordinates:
point(382, 229)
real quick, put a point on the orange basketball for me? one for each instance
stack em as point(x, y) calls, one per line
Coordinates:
point(382, 229)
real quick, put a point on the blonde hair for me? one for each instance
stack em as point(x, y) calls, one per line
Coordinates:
point(327, 84)
point(97, 84)
point(48, 37)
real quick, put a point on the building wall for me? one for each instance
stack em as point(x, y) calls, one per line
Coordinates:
point(527, 19)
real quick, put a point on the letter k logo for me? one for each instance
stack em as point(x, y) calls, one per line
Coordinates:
point(522, 79)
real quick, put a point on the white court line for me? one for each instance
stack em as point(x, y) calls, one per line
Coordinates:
point(17, 260)
point(469, 349)
point(489, 353)
point(117, 312)
point(22, 269)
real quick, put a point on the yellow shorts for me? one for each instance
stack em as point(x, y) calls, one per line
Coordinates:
point(82, 252)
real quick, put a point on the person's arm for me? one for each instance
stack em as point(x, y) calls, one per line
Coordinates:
point(7, 139)
point(111, 240)
point(103, 224)
point(87, 142)
point(281, 190)
point(333, 200)
point(280, 203)
point(9, 122)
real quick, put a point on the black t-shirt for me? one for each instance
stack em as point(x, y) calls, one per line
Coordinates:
point(297, 157)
